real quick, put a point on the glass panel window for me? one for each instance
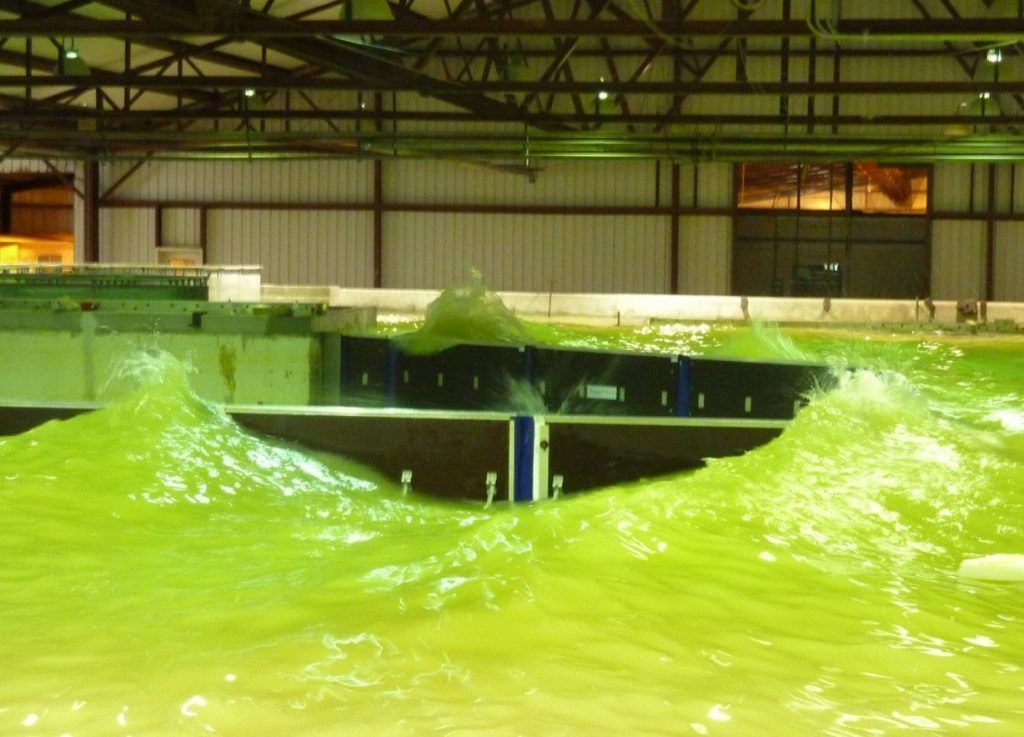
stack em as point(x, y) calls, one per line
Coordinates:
point(889, 189)
point(864, 187)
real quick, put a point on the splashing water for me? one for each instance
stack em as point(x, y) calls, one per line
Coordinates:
point(468, 314)
point(164, 573)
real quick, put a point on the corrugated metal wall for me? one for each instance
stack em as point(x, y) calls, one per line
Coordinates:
point(706, 184)
point(181, 228)
point(705, 248)
point(960, 187)
point(601, 253)
point(313, 181)
point(575, 183)
point(13, 165)
point(958, 259)
point(128, 236)
point(959, 246)
point(1009, 262)
point(524, 252)
point(295, 247)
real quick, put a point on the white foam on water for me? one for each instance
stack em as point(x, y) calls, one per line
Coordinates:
point(999, 567)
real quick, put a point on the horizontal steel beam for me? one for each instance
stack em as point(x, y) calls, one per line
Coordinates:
point(259, 26)
point(142, 117)
point(437, 86)
point(640, 52)
point(506, 148)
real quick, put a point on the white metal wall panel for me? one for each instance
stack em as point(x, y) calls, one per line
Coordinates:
point(519, 252)
point(951, 187)
point(79, 216)
point(15, 165)
point(181, 228)
point(1004, 187)
point(127, 235)
point(236, 181)
point(713, 182)
point(705, 245)
point(319, 247)
point(1018, 186)
point(1009, 262)
point(958, 259)
point(592, 183)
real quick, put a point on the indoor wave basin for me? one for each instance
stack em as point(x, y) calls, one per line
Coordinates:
point(167, 571)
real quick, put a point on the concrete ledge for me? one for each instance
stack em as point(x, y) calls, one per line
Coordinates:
point(411, 301)
point(234, 284)
point(288, 293)
point(636, 309)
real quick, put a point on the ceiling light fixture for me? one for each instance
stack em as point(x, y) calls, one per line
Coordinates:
point(69, 60)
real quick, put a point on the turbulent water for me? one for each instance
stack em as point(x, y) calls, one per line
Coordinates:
point(164, 573)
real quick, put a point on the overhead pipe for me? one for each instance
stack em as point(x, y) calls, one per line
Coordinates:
point(455, 90)
point(504, 148)
point(253, 26)
point(827, 29)
point(115, 119)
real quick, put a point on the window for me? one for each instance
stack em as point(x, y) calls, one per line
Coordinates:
point(831, 230)
point(864, 187)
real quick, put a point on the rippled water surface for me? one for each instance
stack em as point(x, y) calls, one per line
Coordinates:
point(164, 573)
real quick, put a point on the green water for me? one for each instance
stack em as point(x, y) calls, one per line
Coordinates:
point(464, 314)
point(163, 573)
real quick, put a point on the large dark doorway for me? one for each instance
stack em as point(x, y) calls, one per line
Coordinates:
point(831, 230)
point(797, 255)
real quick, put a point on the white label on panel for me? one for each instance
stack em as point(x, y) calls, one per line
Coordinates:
point(602, 391)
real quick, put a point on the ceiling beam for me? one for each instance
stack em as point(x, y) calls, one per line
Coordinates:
point(333, 114)
point(454, 90)
point(254, 25)
point(881, 148)
point(373, 70)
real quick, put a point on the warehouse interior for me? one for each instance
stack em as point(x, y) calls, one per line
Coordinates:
point(744, 147)
point(488, 368)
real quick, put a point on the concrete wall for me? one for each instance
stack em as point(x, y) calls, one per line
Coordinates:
point(71, 356)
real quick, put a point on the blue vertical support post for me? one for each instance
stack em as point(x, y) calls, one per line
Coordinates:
point(345, 367)
point(528, 459)
point(391, 374)
point(682, 386)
